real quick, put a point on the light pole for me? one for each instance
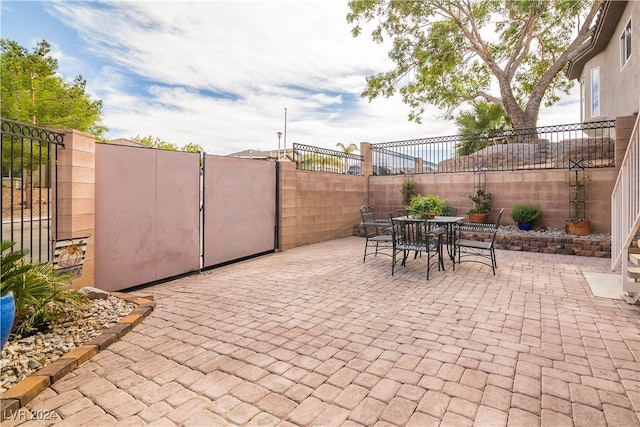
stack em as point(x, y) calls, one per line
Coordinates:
point(285, 133)
point(279, 135)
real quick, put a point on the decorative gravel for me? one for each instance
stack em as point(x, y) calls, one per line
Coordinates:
point(23, 356)
point(549, 232)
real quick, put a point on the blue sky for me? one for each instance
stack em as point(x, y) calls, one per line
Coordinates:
point(221, 73)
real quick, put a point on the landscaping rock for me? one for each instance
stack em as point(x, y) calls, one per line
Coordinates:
point(93, 293)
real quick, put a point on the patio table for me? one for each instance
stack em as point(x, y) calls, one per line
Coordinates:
point(448, 222)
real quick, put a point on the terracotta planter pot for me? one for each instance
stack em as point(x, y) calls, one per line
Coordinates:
point(578, 228)
point(479, 218)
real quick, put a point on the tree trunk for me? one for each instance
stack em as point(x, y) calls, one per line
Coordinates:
point(519, 119)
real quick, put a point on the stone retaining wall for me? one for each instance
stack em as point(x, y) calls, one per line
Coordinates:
point(569, 245)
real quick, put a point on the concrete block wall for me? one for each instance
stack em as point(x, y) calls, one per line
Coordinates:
point(317, 206)
point(548, 189)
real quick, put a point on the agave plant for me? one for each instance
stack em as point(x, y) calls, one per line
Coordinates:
point(41, 295)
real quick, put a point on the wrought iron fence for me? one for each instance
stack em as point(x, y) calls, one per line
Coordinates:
point(549, 147)
point(325, 160)
point(27, 153)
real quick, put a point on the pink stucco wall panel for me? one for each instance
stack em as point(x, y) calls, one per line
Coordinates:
point(178, 216)
point(146, 217)
point(239, 208)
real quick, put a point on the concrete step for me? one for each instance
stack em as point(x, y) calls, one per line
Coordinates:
point(634, 258)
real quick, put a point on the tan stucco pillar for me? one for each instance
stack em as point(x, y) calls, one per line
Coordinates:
point(75, 172)
point(367, 160)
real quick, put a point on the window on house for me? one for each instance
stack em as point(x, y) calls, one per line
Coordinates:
point(583, 101)
point(625, 43)
point(595, 92)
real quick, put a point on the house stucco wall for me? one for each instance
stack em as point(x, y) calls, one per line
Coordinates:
point(619, 87)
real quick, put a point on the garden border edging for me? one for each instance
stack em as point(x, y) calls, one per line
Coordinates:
point(27, 389)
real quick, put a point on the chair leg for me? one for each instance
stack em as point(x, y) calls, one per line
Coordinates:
point(493, 261)
point(393, 261)
point(405, 255)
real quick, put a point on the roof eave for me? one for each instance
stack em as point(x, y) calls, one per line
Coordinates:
point(606, 25)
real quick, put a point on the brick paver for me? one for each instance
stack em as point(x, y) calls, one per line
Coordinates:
point(314, 336)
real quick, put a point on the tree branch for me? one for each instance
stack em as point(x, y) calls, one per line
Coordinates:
point(583, 35)
point(522, 46)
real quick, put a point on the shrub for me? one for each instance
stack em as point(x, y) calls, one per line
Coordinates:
point(41, 295)
point(409, 191)
point(427, 204)
point(522, 213)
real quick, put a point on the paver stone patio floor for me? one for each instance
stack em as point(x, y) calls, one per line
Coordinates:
point(314, 336)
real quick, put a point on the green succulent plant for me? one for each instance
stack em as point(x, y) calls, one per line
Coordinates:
point(41, 295)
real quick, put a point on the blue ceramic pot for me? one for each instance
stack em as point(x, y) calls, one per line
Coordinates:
point(7, 314)
point(525, 225)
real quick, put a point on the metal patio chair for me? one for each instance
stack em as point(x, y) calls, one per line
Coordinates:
point(478, 248)
point(376, 231)
point(412, 233)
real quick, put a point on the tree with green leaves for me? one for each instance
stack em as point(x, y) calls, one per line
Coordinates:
point(33, 92)
point(349, 149)
point(192, 148)
point(449, 52)
point(479, 126)
point(155, 142)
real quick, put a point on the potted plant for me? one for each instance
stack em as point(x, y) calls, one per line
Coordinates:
point(524, 215)
point(481, 207)
point(577, 225)
point(7, 300)
point(430, 205)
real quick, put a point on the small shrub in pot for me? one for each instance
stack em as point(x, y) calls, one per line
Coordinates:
point(525, 214)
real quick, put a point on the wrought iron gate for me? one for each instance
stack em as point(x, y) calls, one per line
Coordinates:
point(28, 155)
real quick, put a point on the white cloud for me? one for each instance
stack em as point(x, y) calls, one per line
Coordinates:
point(168, 58)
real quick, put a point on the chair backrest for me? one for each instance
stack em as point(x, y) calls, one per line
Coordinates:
point(499, 217)
point(410, 230)
point(491, 228)
point(495, 232)
point(367, 213)
point(406, 229)
point(372, 227)
point(399, 213)
point(449, 211)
